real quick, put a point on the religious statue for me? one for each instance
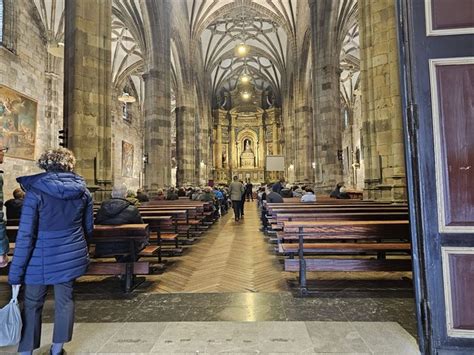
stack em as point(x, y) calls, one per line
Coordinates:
point(247, 158)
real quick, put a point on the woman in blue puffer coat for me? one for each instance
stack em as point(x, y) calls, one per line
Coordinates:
point(51, 247)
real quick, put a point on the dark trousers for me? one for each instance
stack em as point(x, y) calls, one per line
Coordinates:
point(236, 205)
point(249, 195)
point(242, 204)
point(33, 307)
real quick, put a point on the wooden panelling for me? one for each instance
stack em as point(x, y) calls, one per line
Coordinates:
point(448, 14)
point(458, 269)
point(456, 100)
point(453, 112)
point(449, 17)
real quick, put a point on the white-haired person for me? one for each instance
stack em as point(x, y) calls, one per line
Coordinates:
point(51, 247)
point(117, 210)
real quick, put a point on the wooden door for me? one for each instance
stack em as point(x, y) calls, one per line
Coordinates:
point(437, 60)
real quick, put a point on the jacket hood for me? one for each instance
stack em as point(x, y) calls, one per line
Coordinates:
point(61, 185)
point(114, 206)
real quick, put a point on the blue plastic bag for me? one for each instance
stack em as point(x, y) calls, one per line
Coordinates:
point(10, 320)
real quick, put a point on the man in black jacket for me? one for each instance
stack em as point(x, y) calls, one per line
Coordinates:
point(117, 210)
point(15, 204)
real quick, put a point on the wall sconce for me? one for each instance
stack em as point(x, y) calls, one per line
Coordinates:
point(313, 164)
point(291, 167)
point(145, 158)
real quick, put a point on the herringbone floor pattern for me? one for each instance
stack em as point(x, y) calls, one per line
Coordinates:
point(230, 257)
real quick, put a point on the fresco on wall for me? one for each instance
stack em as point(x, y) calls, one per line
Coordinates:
point(18, 117)
point(127, 159)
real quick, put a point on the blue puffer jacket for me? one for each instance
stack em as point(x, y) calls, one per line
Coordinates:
point(56, 219)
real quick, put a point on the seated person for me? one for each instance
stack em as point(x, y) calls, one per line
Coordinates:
point(142, 196)
point(160, 195)
point(309, 196)
point(172, 195)
point(272, 194)
point(335, 193)
point(297, 191)
point(118, 210)
point(207, 195)
point(181, 192)
point(286, 192)
point(271, 197)
point(132, 198)
point(343, 194)
point(15, 204)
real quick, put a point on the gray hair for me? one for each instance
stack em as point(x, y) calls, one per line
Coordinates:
point(58, 160)
point(119, 191)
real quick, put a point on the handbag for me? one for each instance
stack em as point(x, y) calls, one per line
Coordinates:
point(10, 320)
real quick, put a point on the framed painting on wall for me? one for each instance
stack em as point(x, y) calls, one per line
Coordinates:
point(127, 159)
point(18, 120)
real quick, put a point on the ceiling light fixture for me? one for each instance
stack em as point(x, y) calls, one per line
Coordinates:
point(246, 95)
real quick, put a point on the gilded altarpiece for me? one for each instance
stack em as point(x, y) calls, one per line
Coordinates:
point(243, 137)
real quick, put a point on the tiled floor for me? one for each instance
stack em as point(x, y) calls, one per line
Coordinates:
point(239, 338)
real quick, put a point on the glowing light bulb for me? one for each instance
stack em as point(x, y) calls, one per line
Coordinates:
point(246, 95)
point(242, 50)
point(244, 79)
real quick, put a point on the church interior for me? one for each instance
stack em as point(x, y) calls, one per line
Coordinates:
point(181, 96)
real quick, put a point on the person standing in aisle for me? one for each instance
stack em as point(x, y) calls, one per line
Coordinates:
point(236, 191)
point(249, 191)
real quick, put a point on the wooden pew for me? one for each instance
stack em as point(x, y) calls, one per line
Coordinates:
point(130, 233)
point(330, 233)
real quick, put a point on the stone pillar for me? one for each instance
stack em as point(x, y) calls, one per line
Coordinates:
point(87, 78)
point(381, 104)
point(185, 146)
point(157, 103)
point(304, 171)
point(275, 137)
point(261, 145)
point(234, 159)
point(54, 103)
point(219, 143)
point(327, 121)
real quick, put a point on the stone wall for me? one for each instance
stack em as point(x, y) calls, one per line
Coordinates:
point(130, 132)
point(353, 174)
point(24, 71)
point(381, 103)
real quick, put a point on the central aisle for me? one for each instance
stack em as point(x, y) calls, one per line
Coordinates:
point(230, 257)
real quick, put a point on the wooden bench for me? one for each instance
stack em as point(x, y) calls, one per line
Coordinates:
point(131, 233)
point(330, 233)
point(159, 224)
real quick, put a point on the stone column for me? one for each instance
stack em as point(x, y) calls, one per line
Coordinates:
point(157, 103)
point(219, 143)
point(275, 137)
point(327, 121)
point(381, 104)
point(305, 149)
point(234, 159)
point(185, 146)
point(87, 78)
point(261, 144)
point(54, 103)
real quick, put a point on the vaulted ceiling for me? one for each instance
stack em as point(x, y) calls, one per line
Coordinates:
point(267, 27)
